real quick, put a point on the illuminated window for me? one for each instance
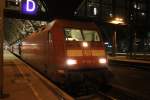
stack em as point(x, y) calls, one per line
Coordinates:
point(143, 14)
point(91, 35)
point(73, 34)
point(81, 35)
point(135, 6)
point(95, 11)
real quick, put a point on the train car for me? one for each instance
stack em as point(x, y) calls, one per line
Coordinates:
point(68, 51)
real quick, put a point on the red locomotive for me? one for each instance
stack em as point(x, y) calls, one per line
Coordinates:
point(67, 51)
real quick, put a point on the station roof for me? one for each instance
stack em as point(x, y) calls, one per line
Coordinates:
point(53, 9)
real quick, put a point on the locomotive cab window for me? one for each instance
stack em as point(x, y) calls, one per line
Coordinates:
point(81, 35)
point(73, 34)
point(90, 35)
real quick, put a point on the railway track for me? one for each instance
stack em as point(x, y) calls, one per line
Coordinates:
point(97, 96)
point(114, 93)
point(106, 96)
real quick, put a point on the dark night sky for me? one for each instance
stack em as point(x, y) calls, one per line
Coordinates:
point(60, 8)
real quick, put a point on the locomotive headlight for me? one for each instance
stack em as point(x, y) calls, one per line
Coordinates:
point(71, 62)
point(102, 60)
point(85, 44)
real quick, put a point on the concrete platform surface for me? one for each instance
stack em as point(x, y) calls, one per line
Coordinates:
point(21, 83)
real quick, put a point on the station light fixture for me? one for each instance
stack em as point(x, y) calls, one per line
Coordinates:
point(117, 20)
point(95, 11)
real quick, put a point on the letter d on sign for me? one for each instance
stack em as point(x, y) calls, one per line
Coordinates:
point(30, 5)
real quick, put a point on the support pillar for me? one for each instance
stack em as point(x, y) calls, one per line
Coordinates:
point(114, 43)
point(2, 5)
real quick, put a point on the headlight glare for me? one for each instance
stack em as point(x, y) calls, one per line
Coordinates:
point(102, 60)
point(71, 62)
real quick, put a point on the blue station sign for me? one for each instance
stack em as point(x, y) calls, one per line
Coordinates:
point(29, 7)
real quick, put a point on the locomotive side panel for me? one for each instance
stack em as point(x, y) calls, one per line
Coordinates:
point(34, 51)
point(56, 53)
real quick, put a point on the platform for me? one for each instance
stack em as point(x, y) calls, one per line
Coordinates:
point(131, 62)
point(23, 83)
point(126, 59)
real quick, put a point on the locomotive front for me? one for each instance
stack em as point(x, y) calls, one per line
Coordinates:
point(85, 56)
point(84, 49)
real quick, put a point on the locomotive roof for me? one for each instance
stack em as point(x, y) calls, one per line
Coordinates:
point(72, 24)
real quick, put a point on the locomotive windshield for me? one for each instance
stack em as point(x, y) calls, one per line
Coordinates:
point(73, 35)
point(81, 35)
